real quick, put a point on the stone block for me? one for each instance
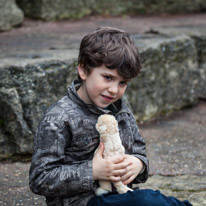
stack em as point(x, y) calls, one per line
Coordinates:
point(55, 10)
point(170, 76)
point(10, 15)
point(26, 91)
point(15, 136)
point(72, 9)
point(198, 34)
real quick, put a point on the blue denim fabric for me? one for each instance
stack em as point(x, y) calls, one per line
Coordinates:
point(144, 197)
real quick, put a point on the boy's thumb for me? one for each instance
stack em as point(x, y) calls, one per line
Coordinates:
point(100, 149)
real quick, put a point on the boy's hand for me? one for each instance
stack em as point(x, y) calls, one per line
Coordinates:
point(133, 169)
point(109, 169)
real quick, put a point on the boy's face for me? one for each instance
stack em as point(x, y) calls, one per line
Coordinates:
point(101, 87)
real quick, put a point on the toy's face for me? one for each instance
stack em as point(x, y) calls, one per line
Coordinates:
point(107, 124)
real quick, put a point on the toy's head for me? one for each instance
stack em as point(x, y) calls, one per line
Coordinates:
point(106, 124)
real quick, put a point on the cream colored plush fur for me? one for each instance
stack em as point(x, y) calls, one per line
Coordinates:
point(107, 127)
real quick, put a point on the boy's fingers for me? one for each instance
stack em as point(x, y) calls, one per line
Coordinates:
point(126, 175)
point(115, 178)
point(119, 172)
point(122, 165)
point(129, 180)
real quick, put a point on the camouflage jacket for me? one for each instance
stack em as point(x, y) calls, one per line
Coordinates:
point(64, 145)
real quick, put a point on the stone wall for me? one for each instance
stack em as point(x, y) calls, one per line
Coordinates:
point(72, 9)
point(173, 76)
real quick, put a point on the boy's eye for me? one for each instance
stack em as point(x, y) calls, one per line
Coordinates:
point(123, 83)
point(108, 77)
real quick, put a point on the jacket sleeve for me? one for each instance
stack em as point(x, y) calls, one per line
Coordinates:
point(50, 175)
point(139, 150)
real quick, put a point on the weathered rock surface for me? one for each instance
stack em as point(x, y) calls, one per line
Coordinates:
point(10, 15)
point(26, 92)
point(198, 34)
point(55, 10)
point(64, 9)
point(173, 76)
point(16, 133)
point(170, 78)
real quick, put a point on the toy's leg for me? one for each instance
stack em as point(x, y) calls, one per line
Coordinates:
point(104, 188)
point(121, 188)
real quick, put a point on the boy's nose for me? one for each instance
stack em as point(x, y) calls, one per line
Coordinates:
point(113, 89)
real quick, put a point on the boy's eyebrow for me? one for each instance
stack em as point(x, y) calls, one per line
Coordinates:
point(108, 74)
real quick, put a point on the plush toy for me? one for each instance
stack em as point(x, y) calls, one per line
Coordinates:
point(107, 127)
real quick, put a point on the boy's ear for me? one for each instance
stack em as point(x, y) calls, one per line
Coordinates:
point(82, 72)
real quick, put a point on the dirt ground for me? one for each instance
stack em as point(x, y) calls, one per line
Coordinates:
point(176, 144)
point(39, 35)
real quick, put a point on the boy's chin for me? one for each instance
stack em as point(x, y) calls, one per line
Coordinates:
point(103, 106)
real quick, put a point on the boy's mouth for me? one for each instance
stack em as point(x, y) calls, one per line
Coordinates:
point(108, 98)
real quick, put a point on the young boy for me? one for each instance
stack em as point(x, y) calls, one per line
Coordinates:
point(64, 167)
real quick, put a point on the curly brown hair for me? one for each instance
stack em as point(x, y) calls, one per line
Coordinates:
point(112, 47)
